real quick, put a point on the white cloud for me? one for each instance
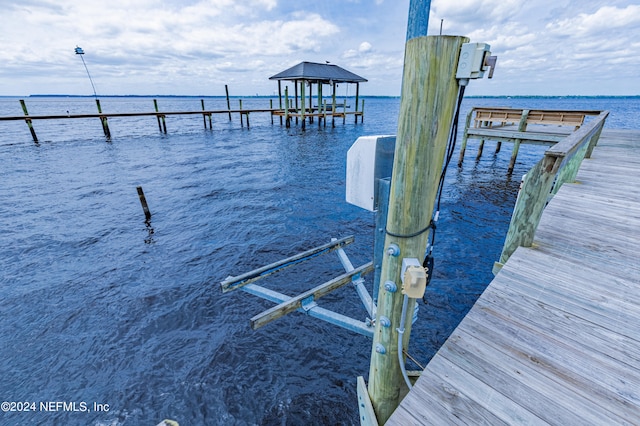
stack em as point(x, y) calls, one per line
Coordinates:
point(155, 46)
point(604, 20)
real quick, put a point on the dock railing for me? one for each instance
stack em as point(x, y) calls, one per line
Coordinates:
point(559, 165)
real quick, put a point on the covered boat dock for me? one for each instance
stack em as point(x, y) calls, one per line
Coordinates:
point(308, 74)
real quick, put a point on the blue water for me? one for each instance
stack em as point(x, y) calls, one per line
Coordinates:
point(97, 306)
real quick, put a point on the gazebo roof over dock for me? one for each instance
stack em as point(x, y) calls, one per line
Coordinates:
point(321, 73)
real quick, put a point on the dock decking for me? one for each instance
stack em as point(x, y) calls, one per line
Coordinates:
point(555, 337)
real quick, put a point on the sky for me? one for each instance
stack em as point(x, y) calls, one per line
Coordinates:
point(196, 47)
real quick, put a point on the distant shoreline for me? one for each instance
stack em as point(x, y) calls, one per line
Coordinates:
point(362, 97)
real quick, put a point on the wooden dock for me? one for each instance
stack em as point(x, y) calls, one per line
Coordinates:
point(555, 337)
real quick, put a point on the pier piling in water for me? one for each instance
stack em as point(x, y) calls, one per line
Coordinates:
point(103, 119)
point(143, 202)
point(163, 126)
point(28, 121)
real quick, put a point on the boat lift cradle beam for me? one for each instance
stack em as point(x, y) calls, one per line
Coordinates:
point(232, 283)
point(305, 302)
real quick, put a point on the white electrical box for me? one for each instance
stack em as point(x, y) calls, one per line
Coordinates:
point(369, 159)
point(472, 60)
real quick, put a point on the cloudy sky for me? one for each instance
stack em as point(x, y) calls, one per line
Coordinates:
point(195, 47)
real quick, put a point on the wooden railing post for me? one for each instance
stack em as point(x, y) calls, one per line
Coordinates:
point(529, 206)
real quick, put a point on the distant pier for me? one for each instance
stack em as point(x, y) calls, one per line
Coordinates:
point(554, 338)
point(207, 114)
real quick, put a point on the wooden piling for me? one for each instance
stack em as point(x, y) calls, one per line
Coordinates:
point(286, 107)
point(320, 106)
point(240, 103)
point(280, 98)
point(271, 108)
point(357, 99)
point(465, 138)
point(143, 201)
point(226, 89)
point(28, 121)
point(522, 126)
point(302, 106)
point(163, 126)
point(296, 99)
point(429, 95)
point(333, 105)
point(204, 116)
point(103, 119)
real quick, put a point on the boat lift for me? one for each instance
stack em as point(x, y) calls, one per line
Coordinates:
point(369, 164)
point(307, 302)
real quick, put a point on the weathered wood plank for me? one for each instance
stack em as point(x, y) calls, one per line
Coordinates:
point(519, 378)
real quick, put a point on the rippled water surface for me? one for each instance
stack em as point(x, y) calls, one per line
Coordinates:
point(98, 306)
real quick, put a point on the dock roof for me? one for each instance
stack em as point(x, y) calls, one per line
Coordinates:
point(313, 71)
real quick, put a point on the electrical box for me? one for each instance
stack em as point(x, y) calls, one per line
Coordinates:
point(369, 159)
point(472, 60)
point(414, 278)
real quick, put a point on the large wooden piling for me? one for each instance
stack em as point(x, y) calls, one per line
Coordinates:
point(28, 121)
point(429, 94)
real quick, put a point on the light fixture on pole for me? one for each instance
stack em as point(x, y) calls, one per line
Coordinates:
point(80, 52)
point(103, 119)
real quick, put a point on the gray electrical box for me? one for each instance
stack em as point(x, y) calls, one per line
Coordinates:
point(369, 159)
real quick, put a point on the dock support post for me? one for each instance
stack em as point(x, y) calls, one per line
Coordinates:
point(429, 96)
point(362, 113)
point(286, 107)
point(163, 126)
point(522, 126)
point(240, 103)
point(226, 89)
point(333, 106)
point(143, 201)
point(271, 108)
point(204, 116)
point(296, 100)
point(480, 149)
point(465, 137)
point(103, 119)
point(320, 105)
point(280, 98)
point(28, 121)
point(357, 99)
point(302, 106)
